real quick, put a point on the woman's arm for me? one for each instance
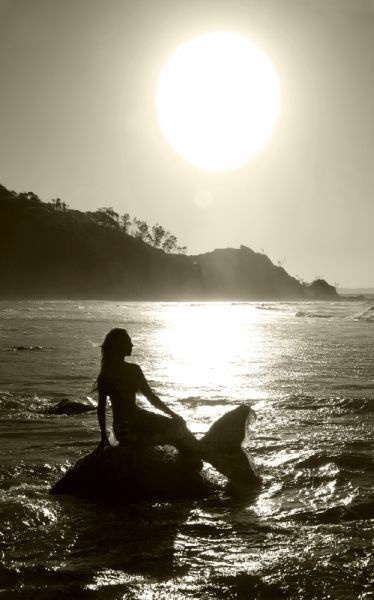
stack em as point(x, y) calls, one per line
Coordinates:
point(101, 405)
point(145, 389)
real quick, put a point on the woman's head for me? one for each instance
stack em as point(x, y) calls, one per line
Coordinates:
point(117, 344)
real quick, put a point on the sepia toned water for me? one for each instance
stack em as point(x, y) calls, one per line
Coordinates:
point(307, 369)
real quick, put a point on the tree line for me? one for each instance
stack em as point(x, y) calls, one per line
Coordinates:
point(155, 235)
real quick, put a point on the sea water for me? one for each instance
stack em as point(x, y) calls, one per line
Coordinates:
point(307, 370)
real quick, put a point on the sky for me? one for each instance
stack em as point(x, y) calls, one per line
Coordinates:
point(78, 121)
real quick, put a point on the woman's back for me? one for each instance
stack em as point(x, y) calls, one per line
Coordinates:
point(120, 382)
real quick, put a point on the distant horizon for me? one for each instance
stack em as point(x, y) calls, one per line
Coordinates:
point(358, 290)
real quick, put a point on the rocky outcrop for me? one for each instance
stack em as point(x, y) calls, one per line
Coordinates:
point(131, 473)
point(239, 274)
point(72, 407)
point(134, 472)
point(319, 289)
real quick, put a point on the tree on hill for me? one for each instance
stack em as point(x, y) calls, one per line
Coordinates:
point(125, 221)
point(106, 217)
point(58, 204)
point(170, 243)
point(29, 197)
point(157, 236)
point(141, 230)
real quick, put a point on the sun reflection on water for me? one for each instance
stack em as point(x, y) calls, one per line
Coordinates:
point(208, 346)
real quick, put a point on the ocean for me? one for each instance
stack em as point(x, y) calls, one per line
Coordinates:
point(306, 369)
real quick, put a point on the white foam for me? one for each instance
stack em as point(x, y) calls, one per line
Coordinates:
point(366, 315)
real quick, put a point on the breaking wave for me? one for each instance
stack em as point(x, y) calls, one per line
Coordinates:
point(311, 315)
point(366, 315)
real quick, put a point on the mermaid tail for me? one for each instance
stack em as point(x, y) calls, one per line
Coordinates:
point(223, 446)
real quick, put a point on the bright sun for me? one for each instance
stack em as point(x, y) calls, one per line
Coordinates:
point(218, 100)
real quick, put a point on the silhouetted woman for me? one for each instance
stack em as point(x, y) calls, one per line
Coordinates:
point(121, 381)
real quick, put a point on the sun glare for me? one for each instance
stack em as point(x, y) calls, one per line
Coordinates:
point(207, 343)
point(218, 101)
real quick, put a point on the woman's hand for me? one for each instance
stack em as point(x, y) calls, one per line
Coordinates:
point(104, 443)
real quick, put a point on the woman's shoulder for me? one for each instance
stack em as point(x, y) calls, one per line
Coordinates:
point(131, 366)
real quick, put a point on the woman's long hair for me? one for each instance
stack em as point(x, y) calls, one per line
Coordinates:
point(113, 350)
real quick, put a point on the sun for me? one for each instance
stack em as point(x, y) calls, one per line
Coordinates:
point(218, 101)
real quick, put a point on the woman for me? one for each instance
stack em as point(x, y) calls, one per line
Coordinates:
point(121, 381)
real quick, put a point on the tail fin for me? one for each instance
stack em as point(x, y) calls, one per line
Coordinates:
point(222, 446)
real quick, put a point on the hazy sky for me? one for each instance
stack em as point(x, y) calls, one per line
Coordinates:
point(78, 121)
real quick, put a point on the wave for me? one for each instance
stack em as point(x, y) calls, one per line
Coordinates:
point(356, 511)
point(344, 460)
point(196, 401)
point(34, 408)
point(279, 307)
point(311, 315)
point(366, 315)
point(302, 402)
point(17, 403)
point(361, 405)
point(333, 404)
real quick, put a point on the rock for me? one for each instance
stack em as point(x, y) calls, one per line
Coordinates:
point(136, 471)
point(131, 473)
point(319, 289)
point(70, 407)
point(23, 348)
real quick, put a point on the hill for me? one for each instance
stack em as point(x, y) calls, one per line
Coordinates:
point(49, 252)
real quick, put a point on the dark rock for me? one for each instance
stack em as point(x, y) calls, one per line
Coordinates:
point(21, 348)
point(130, 473)
point(70, 407)
point(136, 471)
point(319, 289)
